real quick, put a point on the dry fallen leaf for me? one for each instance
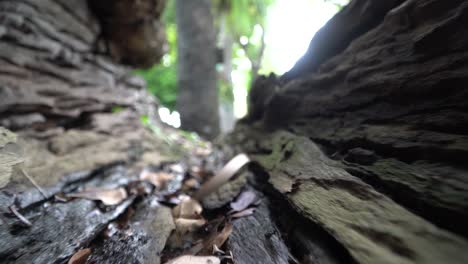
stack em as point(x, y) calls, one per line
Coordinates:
point(191, 183)
point(223, 176)
point(106, 196)
point(187, 208)
point(194, 260)
point(244, 200)
point(187, 219)
point(222, 236)
point(184, 226)
point(80, 257)
point(215, 238)
point(158, 179)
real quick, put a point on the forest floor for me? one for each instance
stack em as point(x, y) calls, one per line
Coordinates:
point(167, 212)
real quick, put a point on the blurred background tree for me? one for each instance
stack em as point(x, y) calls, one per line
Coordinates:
point(253, 37)
point(197, 97)
point(241, 37)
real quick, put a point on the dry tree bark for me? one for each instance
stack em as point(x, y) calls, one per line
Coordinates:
point(366, 137)
point(359, 150)
point(59, 85)
point(62, 75)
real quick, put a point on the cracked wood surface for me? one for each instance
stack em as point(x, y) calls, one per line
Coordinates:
point(58, 92)
point(386, 103)
point(376, 146)
point(370, 225)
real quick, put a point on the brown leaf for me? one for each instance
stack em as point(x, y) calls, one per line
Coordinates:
point(244, 200)
point(194, 260)
point(158, 179)
point(191, 184)
point(80, 257)
point(106, 196)
point(223, 176)
point(215, 238)
point(222, 236)
point(187, 208)
point(184, 226)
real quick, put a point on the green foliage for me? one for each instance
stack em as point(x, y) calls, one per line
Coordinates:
point(161, 79)
point(162, 82)
point(117, 109)
point(243, 15)
point(169, 16)
point(225, 91)
point(180, 141)
point(244, 19)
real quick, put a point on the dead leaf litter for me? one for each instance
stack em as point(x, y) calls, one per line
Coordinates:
point(199, 235)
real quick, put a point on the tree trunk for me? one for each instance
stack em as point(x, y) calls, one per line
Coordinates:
point(197, 98)
point(227, 107)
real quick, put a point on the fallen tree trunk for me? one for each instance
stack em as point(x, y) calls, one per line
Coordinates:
point(369, 142)
point(76, 111)
point(358, 152)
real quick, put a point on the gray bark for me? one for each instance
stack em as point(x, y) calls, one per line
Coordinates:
point(197, 99)
point(57, 93)
point(366, 136)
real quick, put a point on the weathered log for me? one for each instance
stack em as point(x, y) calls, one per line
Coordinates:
point(371, 170)
point(142, 240)
point(372, 227)
point(256, 237)
point(60, 92)
point(387, 108)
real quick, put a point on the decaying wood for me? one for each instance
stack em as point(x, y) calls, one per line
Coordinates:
point(256, 237)
point(376, 145)
point(131, 30)
point(359, 151)
point(142, 241)
point(372, 227)
point(56, 234)
point(58, 92)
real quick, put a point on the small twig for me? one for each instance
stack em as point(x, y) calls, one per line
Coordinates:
point(34, 183)
point(19, 216)
point(217, 250)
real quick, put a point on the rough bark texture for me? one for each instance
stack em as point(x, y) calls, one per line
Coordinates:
point(359, 152)
point(366, 136)
point(60, 87)
point(58, 93)
point(197, 97)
